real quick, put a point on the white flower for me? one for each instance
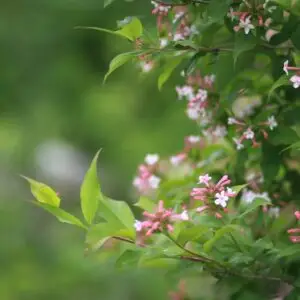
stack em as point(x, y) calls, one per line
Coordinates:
point(184, 216)
point(272, 122)
point(193, 139)
point(146, 66)
point(248, 134)
point(274, 212)
point(296, 81)
point(209, 79)
point(232, 121)
point(154, 182)
point(138, 225)
point(249, 196)
point(137, 182)
point(246, 24)
point(221, 199)
point(151, 159)
point(220, 131)
point(185, 91)
point(238, 143)
point(177, 159)
point(231, 14)
point(163, 42)
point(201, 95)
point(230, 192)
point(178, 37)
point(285, 66)
point(193, 113)
point(178, 16)
point(204, 179)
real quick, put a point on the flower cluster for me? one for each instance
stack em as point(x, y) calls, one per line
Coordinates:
point(212, 195)
point(196, 92)
point(159, 221)
point(183, 29)
point(295, 79)
point(295, 238)
point(250, 15)
point(249, 132)
point(147, 181)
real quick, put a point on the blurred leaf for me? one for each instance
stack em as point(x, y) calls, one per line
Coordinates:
point(238, 188)
point(290, 251)
point(192, 233)
point(43, 193)
point(169, 67)
point(283, 80)
point(119, 61)
point(257, 202)
point(283, 136)
point(107, 2)
point(90, 192)
point(291, 5)
point(218, 235)
point(242, 44)
point(62, 215)
point(145, 204)
point(217, 10)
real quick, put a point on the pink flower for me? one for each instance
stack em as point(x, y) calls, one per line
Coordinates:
point(160, 220)
point(205, 179)
point(221, 199)
point(296, 81)
point(177, 159)
point(248, 134)
point(297, 214)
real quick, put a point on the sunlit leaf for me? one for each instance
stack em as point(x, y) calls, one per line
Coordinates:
point(90, 193)
point(43, 193)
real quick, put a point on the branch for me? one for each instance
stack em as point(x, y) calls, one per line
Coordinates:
point(181, 4)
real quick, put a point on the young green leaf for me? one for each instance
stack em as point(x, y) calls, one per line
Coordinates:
point(117, 214)
point(119, 61)
point(61, 215)
point(90, 193)
point(43, 193)
point(253, 206)
point(283, 80)
point(242, 44)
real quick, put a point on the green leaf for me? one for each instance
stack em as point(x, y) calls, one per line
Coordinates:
point(192, 233)
point(290, 251)
point(168, 70)
point(117, 214)
point(238, 188)
point(218, 235)
point(107, 3)
point(296, 37)
point(291, 5)
point(43, 193)
point(145, 204)
point(119, 61)
point(217, 10)
point(130, 31)
point(283, 136)
point(283, 80)
point(257, 202)
point(242, 44)
point(224, 70)
point(90, 192)
point(61, 215)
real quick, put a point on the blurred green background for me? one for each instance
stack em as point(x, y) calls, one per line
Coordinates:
point(54, 115)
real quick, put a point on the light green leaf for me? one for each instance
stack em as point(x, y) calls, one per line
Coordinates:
point(107, 2)
point(238, 188)
point(283, 135)
point(117, 214)
point(192, 233)
point(43, 193)
point(168, 70)
point(119, 61)
point(290, 251)
point(130, 31)
point(145, 204)
point(61, 215)
point(218, 235)
point(90, 192)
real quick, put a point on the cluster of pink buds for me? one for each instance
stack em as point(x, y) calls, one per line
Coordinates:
point(183, 29)
point(196, 92)
point(147, 181)
point(248, 131)
point(159, 221)
point(292, 231)
point(295, 79)
point(213, 195)
point(250, 16)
